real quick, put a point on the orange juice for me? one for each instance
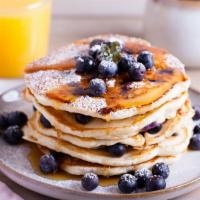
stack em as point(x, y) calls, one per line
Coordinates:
point(24, 27)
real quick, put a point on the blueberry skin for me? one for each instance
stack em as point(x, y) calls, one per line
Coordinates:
point(3, 121)
point(127, 183)
point(107, 69)
point(195, 142)
point(137, 71)
point(90, 181)
point(96, 42)
point(156, 129)
point(197, 113)
point(142, 176)
point(161, 169)
point(154, 183)
point(13, 135)
point(146, 58)
point(45, 122)
point(82, 119)
point(95, 47)
point(117, 150)
point(125, 62)
point(196, 129)
point(152, 128)
point(48, 164)
point(85, 64)
point(17, 118)
point(97, 87)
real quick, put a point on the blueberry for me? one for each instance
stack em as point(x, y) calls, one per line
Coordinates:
point(90, 181)
point(197, 113)
point(127, 183)
point(45, 122)
point(13, 135)
point(142, 176)
point(126, 62)
point(117, 150)
point(196, 129)
point(95, 47)
point(107, 69)
point(4, 121)
point(82, 119)
point(146, 58)
point(154, 183)
point(137, 71)
point(17, 118)
point(154, 127)
point(97, 87)
point(161, 169)
point(85, 64)
point(195, 142)
point(48, 164)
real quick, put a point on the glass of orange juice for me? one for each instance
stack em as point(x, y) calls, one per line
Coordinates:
point(24, 31)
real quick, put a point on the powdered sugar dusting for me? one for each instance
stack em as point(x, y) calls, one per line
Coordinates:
point(60, 55)
point(172, 61)
point(42, 81)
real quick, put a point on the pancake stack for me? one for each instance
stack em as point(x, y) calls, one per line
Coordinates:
point(152, 118)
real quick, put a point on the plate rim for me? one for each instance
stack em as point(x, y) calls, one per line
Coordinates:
point(94, 194)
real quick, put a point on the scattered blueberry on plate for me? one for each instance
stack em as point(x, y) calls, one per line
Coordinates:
point(90, 181)
point(197, 113)
point(195, 142)
point(48, 164)
point(196, 129)
point(127, 183)
point(161, 169)
point(154, 183)
point(142, 176)
point(13, 135)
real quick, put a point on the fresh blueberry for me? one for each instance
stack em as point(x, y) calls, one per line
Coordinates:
point(137, 71)
point(97, 87)
point(107, 68)
point(195, 142)
point(82, 119)
point(142, 176)
point(161, 169)
point(156, 129)
point(45, 122)
point(146, 58)
point(90, 181)
point(17, 118)
point(196, 129)
point(48, 164)
point(4, 121)
point(95, 47)
point(126, 62)
point(127, 183)
point(197, 113)
point(13, 135)
point(85, 64)
point(153, 127)
point(154, 183)
point(117, 150)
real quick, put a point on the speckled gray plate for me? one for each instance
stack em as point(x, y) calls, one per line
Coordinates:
point(184, 176)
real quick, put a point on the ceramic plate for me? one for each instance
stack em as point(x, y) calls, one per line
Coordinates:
point(184, 176)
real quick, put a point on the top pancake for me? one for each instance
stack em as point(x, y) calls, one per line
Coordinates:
point(54, 82)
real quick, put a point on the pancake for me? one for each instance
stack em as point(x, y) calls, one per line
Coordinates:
point(136, 141)
point(169, 147)
point(112, 130)
point(79, 167)
point(53, 82)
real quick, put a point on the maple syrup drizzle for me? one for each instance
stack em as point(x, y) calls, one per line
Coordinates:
point(34, 157)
